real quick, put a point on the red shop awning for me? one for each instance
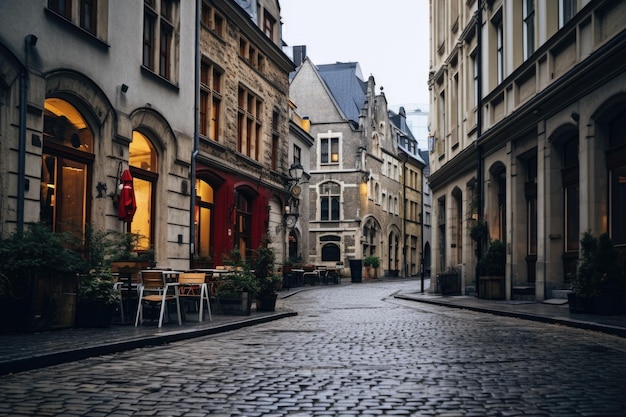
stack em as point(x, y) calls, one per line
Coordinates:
point(127, 205)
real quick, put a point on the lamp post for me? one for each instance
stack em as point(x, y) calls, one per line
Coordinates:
point(293, 202)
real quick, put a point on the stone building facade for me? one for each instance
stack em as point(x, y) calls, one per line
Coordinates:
point(89, 89)
point(243, 148)
point(86, 92)
point(528, 100)
point(356, 183)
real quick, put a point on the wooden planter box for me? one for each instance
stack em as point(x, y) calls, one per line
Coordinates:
point(449, 284)
point(491, 288)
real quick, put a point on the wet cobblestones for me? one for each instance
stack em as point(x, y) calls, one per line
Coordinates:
point(351, 351)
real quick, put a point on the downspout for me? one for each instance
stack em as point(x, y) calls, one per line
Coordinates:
point(196, 138)
point(29, 41)
point(479, 156)
point(21, 160)
point(404, 237)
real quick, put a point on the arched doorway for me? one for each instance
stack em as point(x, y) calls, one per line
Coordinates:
point(66, 167)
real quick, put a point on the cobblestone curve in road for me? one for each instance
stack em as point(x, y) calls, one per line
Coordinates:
point(351, 351)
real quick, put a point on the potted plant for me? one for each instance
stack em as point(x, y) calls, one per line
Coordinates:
point(39, 285)
point(97, 298)
point(492, 271)
point(268, 281)
point(371, 262)
point(237, 289)
point(449, 282)
point(599, 283)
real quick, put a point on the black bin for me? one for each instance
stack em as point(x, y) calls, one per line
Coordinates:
point(356, 270)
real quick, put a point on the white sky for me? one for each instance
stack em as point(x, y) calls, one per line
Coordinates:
point(388, 38)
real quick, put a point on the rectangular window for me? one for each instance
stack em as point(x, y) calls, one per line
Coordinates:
point(210, 100)
point(567, 10)
point(268, 25)
point(88, 13)
point(500, 51)
point(329, 208)
point(149, 23)
point(61, 7)
point(297, 155)
point(329, 150)
point(475, 79)
point(159, 50)
point(529, 28)
point(275, 140)
point(250, 126)
point(211, 19)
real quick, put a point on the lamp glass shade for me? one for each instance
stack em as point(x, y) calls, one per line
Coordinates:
point(296, 171)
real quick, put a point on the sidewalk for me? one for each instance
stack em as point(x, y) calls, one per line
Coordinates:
point(21, 352)
point(546, 312)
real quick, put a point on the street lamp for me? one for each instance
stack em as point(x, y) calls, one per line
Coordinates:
point(291, 209)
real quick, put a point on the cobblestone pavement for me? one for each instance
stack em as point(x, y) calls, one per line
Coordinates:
point(351, 351)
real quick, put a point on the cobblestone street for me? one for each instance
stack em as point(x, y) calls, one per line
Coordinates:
point(351, 351)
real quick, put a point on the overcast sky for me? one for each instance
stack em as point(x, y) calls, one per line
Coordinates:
point(388, 38)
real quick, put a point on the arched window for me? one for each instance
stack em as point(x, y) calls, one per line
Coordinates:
point(66, 168)
point(144, 168)
point(331, 253)
point(204, 220)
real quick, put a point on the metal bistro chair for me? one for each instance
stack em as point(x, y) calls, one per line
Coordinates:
point(193, 285)
point(154, 291)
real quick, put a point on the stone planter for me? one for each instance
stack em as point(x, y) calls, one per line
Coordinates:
point(235, 305)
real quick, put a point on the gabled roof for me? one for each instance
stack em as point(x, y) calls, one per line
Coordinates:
point(345, 82)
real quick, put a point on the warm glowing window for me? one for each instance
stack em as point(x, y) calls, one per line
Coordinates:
point(66, 168)
point(143, 166)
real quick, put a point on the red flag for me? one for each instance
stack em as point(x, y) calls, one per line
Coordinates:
point(127, 205)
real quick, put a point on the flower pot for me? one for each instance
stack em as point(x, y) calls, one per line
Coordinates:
point(266, 302)
point(581, 305)
point(238, 305)
point(94, 315)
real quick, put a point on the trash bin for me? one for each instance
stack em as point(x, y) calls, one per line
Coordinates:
point(356, 270)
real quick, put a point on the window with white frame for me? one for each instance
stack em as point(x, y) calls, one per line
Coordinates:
point(329, 150)
point(330, 195)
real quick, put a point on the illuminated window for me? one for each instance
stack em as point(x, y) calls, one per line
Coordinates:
point(143, 167)
point(66, 168)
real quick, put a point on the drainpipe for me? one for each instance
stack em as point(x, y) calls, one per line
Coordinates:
point(196, 138)
point(479, 115)
point(29, 41)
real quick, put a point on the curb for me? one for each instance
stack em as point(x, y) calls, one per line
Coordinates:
point(56, 358)
point(603, 328)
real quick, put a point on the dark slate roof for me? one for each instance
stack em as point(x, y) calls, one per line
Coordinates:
point(397, 121)
point(346, 84)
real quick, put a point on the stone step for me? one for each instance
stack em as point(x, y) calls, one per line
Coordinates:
point(560, 294)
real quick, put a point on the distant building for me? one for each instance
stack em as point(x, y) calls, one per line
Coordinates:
point(528, 110)
point(356, 190)
point(242, 181)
